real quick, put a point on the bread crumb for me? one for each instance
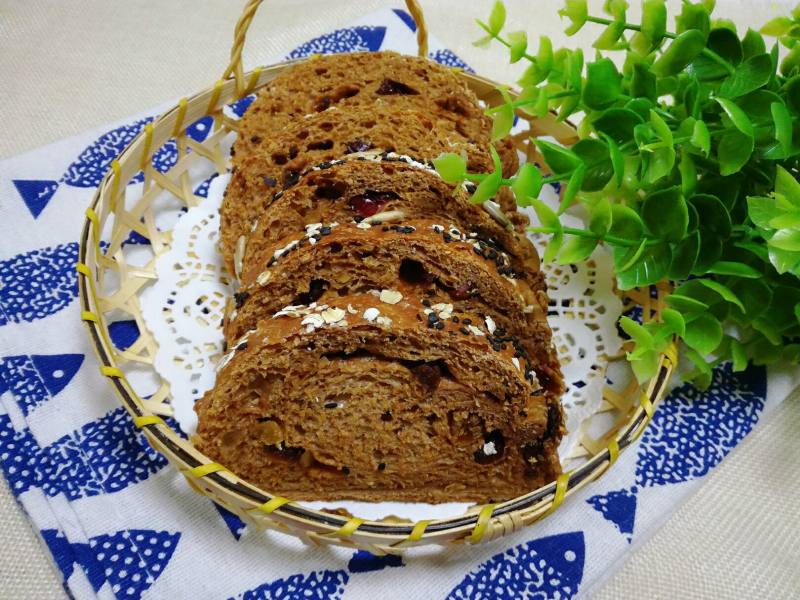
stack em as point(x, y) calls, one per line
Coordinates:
point(390, 296)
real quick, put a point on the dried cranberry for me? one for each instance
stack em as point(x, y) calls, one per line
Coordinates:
point(428, 374)
point(391, 87)
point(371, 202)
point(357, 146)
point(462, 292)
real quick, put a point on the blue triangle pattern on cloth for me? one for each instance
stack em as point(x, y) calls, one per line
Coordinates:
point(202, 189)
point(319, 585)
point(36, 284)
point(363, 561)
point(241, 105)
point(136, 238)
point(88, 170)
point(405, 18)
point(129, 560)
point(619, 507)
point(693, 430)
point(200, 129)
point(37, 378)
point(102, 457)
point(450, 59)
point(548, 567)
point(123, 333)
point(35, 193)
point(232, 522)
point(350, 39)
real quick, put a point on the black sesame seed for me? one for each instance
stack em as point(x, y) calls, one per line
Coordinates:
point(464, 330)
point(358, 218)
point(346, 470)
point(454, 319)
point(224, 346)
point(272, 261)
point(325, 230)
point(242, 346)
point(432, 318)
point(199, 301)
point(467, 321)
point(439, 325)
point(330, 405)
point(426, 302)
point(381, 466)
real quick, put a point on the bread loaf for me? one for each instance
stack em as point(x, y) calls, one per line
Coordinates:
point(370, 398)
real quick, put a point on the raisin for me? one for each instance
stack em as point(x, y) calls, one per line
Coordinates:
point(390, 87)
point(428, 374)
point(371, 201)
point(357, 146)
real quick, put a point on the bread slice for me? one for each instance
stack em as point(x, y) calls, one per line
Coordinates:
point(359, 188)
point(326, 136)
point(369, 398)
point(450, 270)
point(363, 81)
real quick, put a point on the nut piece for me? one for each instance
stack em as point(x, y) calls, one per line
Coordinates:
point(390, 296)
point(263, 278)
point(270, 433)
point(332, 315)
point(371, 314)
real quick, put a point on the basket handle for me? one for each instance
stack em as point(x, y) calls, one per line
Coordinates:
point(236, 70)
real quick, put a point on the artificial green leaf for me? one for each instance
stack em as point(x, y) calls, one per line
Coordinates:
point(577, 12)
point(710, 252)
point(756, 106)
point(665, 214)
point(602, 85)
point(783, 126)
point(739, 356)
point(546, 216)
point(544, 56)
point(783, 260)
point(686, 304)
point(675, 321)
point(573, 186)
point(617, 160)
point(497, 18)
point(723, 267)
point(792, 93)
point(755, 296)
point(777, 27)
point(702, 375)
point(638, 333)
point(486, 40)
point(595, 156)
point(576, 249)
point(789, 220)
point(624, 258)
point(763, 210)
point(527, 184)
point(651, 268)
point(753, 44)
point(723, 290)
point(737, 116)
point(791, 62)
point(610, 36)
point(561, 160)
point(552, 248)
point(640, 106)
point(680, 53)
point(600, 216)
point(701, 138)
point(643, 83)
point(684, 257)
point(646, 367)
point(767, 328)
point(617, 123)
point(750, 75)
point(654, 21)
point(661, 162)
point(625, 223)
point(502, 122)
point(786, 239)
point(518, 44)
point(703, 334)
point(693, 17)
point(688, 174)
point(734, 150)
point(488, 187)
point(452, 168)
point(787, 186)
point(725, 43)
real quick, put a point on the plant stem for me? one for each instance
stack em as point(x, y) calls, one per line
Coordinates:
point(707, 52)
point(611, 239)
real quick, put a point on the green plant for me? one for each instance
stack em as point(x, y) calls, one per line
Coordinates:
point(686, 168)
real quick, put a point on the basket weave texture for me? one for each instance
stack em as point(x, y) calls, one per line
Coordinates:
point(109, 287)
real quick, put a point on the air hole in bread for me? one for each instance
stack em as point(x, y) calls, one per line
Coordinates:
point(279, 158)
point(412, 271)
point(494, 443)
point(429, 374)
point(331, 190)
point(326, 126)
point(316, 288)
point(453, 104)
point(303, 134)
point(293, 151)
point(323, 145)
point(391, 87)
point(345, 91)
point(334, 248)
point(320, 71)
point(368, 124)
point(282, 452)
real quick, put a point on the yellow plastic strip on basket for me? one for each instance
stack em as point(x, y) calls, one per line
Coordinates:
point(483, 523)
point(212, 104)
point(92, 216)
point(613, 451)
point(418, 531)
point(561, 490)
point(347, 529)
point(114, 186)
point(251, 84)
point(83, 269)
point(207, 469)
point(111, 372)
point(148, 141)
point(87, 315)
point(180, 116)
point(143, 420)
point(647, 405)
point(273, 505)
point(671, 353)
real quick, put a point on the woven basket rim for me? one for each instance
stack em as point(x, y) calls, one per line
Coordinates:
point(159, 431)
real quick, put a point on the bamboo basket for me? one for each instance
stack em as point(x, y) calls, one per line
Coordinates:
point(109, 288)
